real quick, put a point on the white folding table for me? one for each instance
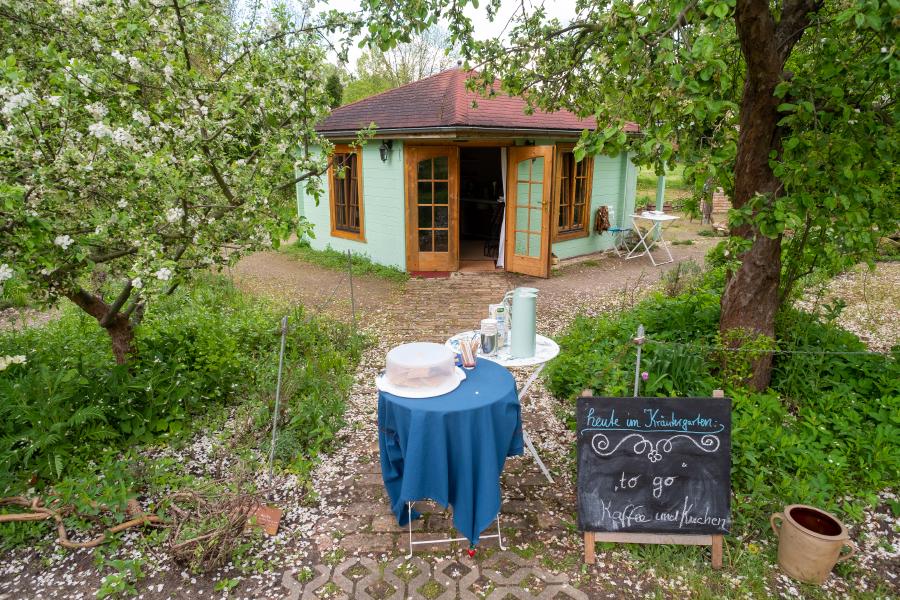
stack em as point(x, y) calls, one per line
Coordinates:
point(545, 351)
point(657, 218)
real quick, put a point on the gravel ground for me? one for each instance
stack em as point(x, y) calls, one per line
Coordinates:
point(872, 300)
point(18, 318)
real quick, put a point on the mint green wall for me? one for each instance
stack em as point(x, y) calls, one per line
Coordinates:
point(384, 218)
point(614, 184)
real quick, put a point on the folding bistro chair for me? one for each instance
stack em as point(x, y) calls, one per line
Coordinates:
point(620, 237)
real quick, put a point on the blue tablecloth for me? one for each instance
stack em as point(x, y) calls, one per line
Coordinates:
point(451, 448)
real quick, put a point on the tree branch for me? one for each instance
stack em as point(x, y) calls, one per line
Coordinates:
point(89, 303)
point(306, 175)
point(795, 19)
point(182, 35)
point(116, 305)
point(680, 20)
point(94, 258)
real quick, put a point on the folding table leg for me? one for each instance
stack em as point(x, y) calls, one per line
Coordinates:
point(665, 246)
point(528, 444)
point(499, 536)
point(409, 514)
point(525, 437)
point(642, 241)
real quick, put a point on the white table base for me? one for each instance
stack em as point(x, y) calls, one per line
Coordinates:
point(642, 241)
point(448, 540)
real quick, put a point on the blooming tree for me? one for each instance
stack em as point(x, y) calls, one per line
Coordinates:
point(146, 140)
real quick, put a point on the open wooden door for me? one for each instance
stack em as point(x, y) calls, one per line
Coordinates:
point(528, 210)
point(432, 208)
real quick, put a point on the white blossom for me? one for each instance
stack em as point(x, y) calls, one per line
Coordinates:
point(54, 100)
point(168, 71)
point(17, 359)
point(122, 137)
point(122, 203)
point(141, 117)
point(134, 63)
point(17, 102)
point(97, 110)
point(137, 283)
point(100, 130)
point(174, 214)
point(63, 241)
point(6, 272)
point(118, 56)
point(164, 274)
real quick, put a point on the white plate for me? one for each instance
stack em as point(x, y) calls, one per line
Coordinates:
point(384, 385)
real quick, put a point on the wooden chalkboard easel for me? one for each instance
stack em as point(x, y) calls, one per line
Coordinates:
point(592, 537)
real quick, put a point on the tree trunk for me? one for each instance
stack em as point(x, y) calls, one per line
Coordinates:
point(118, 326)
point(750, 300)
point(121, 334)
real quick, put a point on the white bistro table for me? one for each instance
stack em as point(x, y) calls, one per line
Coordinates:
point(545, 350)
point(657, 218)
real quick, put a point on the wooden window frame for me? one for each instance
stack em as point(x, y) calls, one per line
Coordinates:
point(585, 229)
point(359, 236)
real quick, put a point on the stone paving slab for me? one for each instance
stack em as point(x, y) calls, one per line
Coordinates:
point(506, 573)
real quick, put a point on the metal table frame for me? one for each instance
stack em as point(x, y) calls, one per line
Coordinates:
point(658, 220)
point(540, 363)
point(448, 540)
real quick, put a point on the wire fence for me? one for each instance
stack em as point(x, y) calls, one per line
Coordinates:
point(283, 329)
point(761, 351)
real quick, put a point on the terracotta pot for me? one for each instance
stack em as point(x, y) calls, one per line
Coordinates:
point(810, 541)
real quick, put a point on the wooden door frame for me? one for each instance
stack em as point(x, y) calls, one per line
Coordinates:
point(538, 266)
point(412, 155)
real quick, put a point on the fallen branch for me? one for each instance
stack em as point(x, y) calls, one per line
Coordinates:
point(39, 512)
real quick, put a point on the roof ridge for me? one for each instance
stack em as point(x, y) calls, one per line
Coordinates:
point(399, 87)
point(459, 100)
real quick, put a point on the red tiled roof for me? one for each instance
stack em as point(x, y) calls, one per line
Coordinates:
point(442, 100)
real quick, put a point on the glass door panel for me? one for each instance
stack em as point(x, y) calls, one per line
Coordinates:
point(528, 240)
point(433, 208)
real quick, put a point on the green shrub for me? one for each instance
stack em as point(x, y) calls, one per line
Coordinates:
point(825, 433)
point(199, 349)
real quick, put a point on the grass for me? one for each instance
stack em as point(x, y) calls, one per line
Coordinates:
point(674, 179)
point(676, 187)
point(14, 296)
point(337, 261)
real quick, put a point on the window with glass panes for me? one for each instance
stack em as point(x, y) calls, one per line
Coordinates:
point(346, 196)
point(574, 194)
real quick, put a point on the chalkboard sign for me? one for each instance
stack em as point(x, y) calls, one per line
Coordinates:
point(654, 465)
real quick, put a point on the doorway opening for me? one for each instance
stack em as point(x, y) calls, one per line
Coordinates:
point(480, 209)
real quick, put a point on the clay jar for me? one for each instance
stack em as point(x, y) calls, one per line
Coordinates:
point(810, 542)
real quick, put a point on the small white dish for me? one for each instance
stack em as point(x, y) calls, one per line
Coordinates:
point(384, 385)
